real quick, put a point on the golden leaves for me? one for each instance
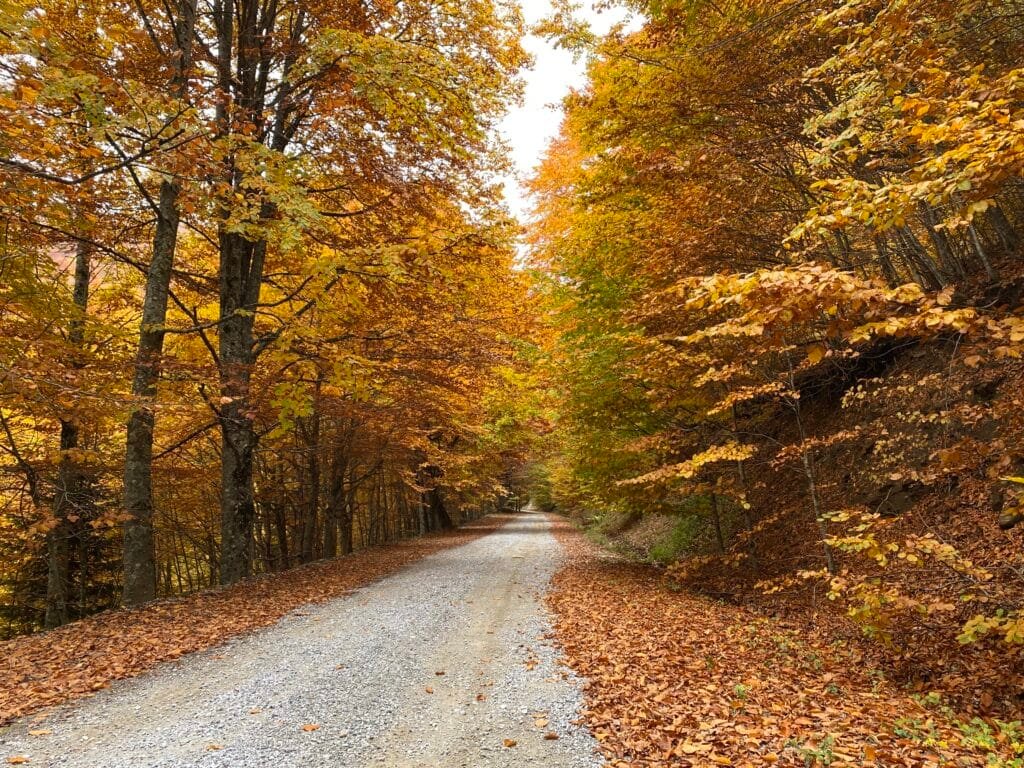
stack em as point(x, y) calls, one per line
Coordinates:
point(730, 451)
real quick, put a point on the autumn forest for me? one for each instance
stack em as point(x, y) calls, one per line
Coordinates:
point(269, 333)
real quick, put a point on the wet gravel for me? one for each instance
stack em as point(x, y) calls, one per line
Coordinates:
point(445, 663)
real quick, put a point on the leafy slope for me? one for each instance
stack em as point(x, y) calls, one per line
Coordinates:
point(74, 661)
point(679, 680)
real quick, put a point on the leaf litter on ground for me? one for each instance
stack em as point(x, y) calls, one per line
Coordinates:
point(676, 679)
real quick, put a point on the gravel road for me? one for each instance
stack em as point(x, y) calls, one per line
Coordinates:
point(437, 665)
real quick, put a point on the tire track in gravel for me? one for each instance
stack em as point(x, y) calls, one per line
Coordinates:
point(359, 669)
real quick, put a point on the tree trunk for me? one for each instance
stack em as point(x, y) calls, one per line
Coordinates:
point(281, 524)
point(716, 518)
point(68, 497)
point(951, 264)
point(810, 474)
point(139, 555)
point(238, 443)
point(990, 272)
point(440, 518)
point(884, 261)
point(1003, 228)
point(311, 491)
point(349, 512)
point(335, 503)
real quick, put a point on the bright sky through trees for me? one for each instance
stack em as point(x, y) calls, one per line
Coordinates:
point(528, 128)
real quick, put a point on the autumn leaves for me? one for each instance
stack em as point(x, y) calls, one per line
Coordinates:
point(302, 300)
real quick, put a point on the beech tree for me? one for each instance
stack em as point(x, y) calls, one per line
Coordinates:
point(752, 207)
point(293, 205)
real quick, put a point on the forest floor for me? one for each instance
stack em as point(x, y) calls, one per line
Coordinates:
point(447, 662)
point(677, 679)
point(453, 662)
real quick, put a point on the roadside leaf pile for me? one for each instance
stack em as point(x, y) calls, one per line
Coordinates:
point(679, 680)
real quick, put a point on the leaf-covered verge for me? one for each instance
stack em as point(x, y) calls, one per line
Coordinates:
point(676, 679)
point(782, 276)
point(86, 656)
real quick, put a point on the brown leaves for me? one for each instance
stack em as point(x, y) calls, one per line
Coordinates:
point(509, 743)
point(678, 680)
point(48, 669)
point(310, 727)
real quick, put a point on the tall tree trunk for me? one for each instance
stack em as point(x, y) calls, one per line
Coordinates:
point(242, 58)
point(281, 525)
point(68, 496)
point(238, 445)
point(810, 474)
point(716, 518)
point(884, 261)
point(440, 518)
point(336, 501)
point(139, 555)
point(990, 271)
point(312, 484)
point(952, 266)
point(748, 520)
point(349, 514)
point(1003, 228)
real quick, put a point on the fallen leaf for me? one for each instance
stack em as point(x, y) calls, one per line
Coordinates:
point(310, 727)
point(550, 736)
point(509, 743)
point(541, 722)
point(17, 760)
point(428, 689)
point(40, 732)
point(214, 747)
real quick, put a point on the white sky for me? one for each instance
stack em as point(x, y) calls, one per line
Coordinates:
point(529, 128)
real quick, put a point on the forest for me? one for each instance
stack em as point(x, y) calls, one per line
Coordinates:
point(778, 251)
point(761, 337)
point(256, 294)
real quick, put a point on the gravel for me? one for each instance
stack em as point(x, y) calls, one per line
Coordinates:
point(445, 663)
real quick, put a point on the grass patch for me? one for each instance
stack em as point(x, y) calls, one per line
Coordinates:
point(678, 542)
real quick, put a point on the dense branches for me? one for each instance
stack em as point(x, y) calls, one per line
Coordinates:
point(752, 208)
point(289, 214)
